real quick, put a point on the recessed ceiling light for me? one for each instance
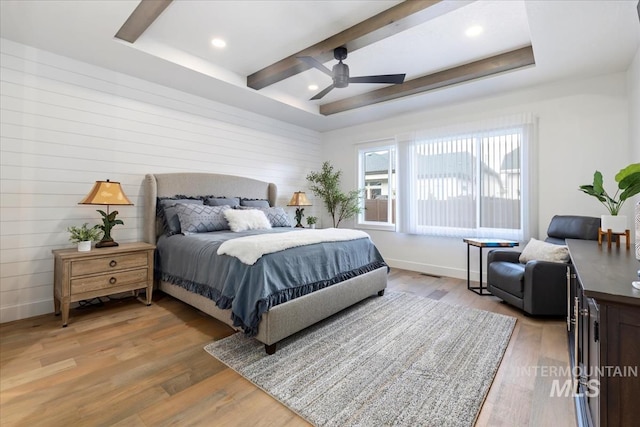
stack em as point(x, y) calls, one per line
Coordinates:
point(474, 31)
point(313, 87)
point(218, 43)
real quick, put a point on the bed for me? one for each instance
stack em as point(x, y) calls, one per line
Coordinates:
point(283, 319)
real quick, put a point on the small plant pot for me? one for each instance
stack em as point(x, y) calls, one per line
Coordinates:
point(84, 246)
point(312, 226)
point(617, 223)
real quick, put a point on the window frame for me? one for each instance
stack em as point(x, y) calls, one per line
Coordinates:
point(387, 144)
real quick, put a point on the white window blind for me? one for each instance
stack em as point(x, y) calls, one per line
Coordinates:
point(469, 180)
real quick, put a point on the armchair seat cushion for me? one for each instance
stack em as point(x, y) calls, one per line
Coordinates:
point(507, 276)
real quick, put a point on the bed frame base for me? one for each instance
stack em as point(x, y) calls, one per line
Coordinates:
point(293, 316)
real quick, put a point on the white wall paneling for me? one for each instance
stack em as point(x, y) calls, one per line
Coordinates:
point(65, 124)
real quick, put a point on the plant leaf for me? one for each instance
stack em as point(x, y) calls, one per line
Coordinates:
point(626, 173)
point(598, 187)
point(588, 189)
point(631, 190)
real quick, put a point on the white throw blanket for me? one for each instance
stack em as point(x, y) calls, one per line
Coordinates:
point(249, 249)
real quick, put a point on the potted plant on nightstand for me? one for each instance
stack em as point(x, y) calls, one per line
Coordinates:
point(84, 235)
point(311, 221)
point(628, 180)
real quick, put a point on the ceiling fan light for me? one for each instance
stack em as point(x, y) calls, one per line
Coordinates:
point(341, 75)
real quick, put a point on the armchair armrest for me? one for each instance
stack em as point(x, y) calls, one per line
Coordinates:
point(503, 255)
point(545, 288)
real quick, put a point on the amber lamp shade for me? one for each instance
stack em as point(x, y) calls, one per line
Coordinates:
point(107, 193)
point(298, 199)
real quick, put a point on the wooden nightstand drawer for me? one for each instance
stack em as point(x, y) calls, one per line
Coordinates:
point(111, 263)
point(101, 272)
point(110, 280)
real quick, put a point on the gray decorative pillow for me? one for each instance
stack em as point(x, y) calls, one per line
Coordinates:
point(255, 203)
point(169, 216)
point(542, 251)
point(201, 218)
point(277, 217)
point(222, 201)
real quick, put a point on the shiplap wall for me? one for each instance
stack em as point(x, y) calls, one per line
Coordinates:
point(66, 124)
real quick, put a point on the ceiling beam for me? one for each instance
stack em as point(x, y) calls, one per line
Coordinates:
point(385, 24)
point(485, 67)
point(142, 17)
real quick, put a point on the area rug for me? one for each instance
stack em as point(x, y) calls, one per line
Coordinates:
point(396, 360)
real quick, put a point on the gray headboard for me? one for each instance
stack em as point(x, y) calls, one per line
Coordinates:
point(198, 184)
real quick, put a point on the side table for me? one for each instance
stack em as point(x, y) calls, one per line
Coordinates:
point(101, 272)
point(483, 243)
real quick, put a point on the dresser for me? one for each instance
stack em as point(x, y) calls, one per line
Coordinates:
point(101, 272)
point(604, 334)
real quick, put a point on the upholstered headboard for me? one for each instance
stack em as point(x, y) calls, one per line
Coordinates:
point(198, 184)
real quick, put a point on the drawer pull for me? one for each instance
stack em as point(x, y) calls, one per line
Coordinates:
point(113, 280)
point(113, 263)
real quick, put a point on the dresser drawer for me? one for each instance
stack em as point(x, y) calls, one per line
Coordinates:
point(110, 280)
point(108, 263)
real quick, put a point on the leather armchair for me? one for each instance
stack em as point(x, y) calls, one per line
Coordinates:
point(538, 287)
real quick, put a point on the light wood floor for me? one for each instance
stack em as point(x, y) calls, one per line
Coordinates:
point(130, 365)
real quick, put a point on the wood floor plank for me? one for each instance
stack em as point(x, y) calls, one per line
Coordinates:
point(148, 366)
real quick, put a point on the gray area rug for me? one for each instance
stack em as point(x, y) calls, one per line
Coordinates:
point(396, 360)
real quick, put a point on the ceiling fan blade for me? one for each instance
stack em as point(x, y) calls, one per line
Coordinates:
point(323, 93)
point(387, 78)
point(312, 62)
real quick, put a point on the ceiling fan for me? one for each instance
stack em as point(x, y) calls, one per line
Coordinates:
point(340, 73)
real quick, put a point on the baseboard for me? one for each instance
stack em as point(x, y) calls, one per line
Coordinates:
point(435, 270)
point(22, 311)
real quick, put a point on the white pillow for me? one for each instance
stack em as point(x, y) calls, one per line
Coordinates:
point(250, 219)
point(543, 251)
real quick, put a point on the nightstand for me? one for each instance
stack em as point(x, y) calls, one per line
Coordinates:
point(101, 272)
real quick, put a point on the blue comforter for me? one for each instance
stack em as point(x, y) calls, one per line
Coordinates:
point(250, 290)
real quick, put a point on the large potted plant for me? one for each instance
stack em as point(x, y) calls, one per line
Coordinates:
point(326, 185)
point(628, 180)
point(84, 235)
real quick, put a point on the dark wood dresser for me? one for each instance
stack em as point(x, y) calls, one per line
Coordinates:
point(604, 334)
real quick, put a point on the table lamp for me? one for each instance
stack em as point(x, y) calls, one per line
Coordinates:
point(299, 199)
point(106, 193)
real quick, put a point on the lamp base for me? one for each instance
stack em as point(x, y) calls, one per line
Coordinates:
point(298, 225)
point(106, 243)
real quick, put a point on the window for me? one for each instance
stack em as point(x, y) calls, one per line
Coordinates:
point(377, 177)
point(466, 182)
point(471, 180)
